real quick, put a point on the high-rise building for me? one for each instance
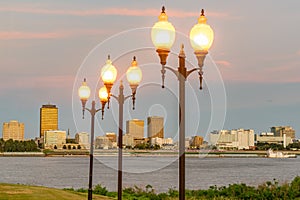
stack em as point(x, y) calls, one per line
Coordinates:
point(155, 127)
point(135, 128)
point(111, 136)
point(196, 142)
point(161, 141)
point(271, 139)
point(279, 131)
point(13, 130)
point(48, 118)
point(103, 142)
point(233, 139)
point(128, 140)
point(55, 138)
point(82, 139)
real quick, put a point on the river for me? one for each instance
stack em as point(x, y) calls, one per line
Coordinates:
point(160, 172)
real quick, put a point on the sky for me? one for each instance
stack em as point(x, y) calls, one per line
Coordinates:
point(252, 72)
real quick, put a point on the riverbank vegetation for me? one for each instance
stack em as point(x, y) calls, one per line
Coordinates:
point(266, 146)
point(18, 146)
point(270, 190)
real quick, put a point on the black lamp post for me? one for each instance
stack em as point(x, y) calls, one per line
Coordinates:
point(134, 77)
point(84, 93)
point(163, 37)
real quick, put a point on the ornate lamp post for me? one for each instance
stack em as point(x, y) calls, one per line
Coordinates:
point(201, 38)
point(134, 77)
point(84, 93)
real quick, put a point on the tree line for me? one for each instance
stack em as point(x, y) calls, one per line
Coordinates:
point(266, 146)
point(18, 146)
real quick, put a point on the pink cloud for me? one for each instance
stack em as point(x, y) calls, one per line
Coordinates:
point(281, 68)
point(13, 35)
point(8, 35)
point(54, 81)
point(110, 11)
point(284, 72)
point(223, 63)
point(263, 77)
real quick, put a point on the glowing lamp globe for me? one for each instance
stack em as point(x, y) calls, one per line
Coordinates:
point(163, 32)
point(108, 72)
point(134, 73)
point(84, 91)
point(201, 35)
point(103, 95)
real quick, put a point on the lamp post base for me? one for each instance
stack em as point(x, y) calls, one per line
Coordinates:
point(90, 192)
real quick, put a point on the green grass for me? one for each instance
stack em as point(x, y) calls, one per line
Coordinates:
point(25, 192)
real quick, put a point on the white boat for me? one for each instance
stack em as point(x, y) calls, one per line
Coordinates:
point(278, 154)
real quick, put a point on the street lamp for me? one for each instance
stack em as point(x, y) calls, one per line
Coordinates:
point(84, 93)
point(201, 38)
point(134, 77)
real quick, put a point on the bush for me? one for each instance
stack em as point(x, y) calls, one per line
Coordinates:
point(100, 190)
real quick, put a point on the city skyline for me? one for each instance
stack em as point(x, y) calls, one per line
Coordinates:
point(43, 45)
point(145, 131)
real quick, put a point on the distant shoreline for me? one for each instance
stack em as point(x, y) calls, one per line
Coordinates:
point(144, 153)
point(22, 154)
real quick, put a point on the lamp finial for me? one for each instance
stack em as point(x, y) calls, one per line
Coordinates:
point(202, 12)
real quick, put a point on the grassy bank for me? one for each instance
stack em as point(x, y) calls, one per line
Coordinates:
point(24, 192)
point(271, 190)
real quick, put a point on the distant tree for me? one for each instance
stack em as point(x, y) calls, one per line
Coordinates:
point(9, 146)
point(266, 146)
point(154, 147)
point(1, 145)
point(71, 141)
point(41, 145)
point(143, 146)
point(18, 146)
point(294, 145)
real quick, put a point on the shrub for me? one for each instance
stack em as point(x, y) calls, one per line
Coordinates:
point(98, 189)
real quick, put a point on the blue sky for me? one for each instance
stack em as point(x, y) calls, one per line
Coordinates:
point(256, 51)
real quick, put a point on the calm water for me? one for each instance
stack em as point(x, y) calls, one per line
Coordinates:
point(160, 172)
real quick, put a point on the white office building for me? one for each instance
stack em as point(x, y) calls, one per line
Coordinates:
point(232, 139)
